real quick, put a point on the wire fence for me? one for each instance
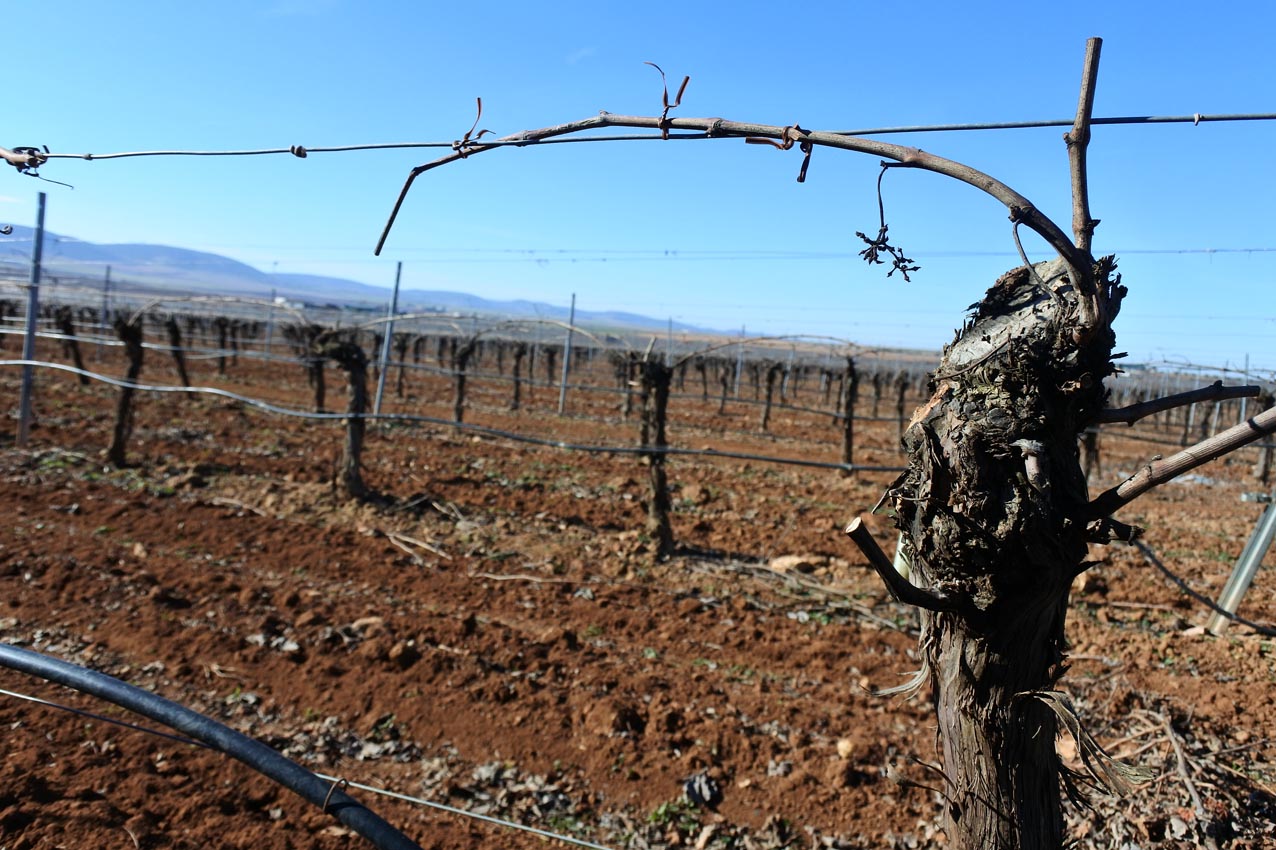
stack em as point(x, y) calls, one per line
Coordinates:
point(302, 151)
point(451, 423)
point(258, 350)
point(206, 353)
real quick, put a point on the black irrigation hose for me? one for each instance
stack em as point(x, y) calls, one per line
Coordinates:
point(258, 756)
point(1151, 558)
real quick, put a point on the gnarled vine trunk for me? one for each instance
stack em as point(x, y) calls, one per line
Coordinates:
point(992, 509)
point(351, 357)
point(222, 324)
point(130, 333)
point(520, 351)
point(175, 345)
point(401, 351)
point(850, 394)
point(772, 373)
point(70, 344)
point(655, 379)
point(460, 362)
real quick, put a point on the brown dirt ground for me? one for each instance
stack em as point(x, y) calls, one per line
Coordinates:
point(492, 633)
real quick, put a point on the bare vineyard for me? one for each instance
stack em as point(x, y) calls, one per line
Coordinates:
point(503, 558)
point(467, 371)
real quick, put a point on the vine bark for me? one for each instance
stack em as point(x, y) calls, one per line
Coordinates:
point(992, 509)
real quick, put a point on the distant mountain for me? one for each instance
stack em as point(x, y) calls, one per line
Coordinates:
point(149, 266)
point(165, 268)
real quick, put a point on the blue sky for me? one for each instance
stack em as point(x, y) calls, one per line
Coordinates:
point(713, 233)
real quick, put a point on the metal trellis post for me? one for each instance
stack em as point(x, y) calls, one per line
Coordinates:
point(270, 322)
point(28, 341)
point(385, 339)
point(105, 317)
point(1246, 565)
point(567, 357)
point(788, 370)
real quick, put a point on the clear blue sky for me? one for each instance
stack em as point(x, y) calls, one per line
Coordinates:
point(599, 218)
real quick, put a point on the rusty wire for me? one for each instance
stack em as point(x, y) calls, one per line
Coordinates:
point(301, 151)
point(664, 99)
point(787, 144)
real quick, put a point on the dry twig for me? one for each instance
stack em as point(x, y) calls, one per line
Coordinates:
point(1160, 471)
point(1214, 392)
point(398, 539)
point(225, 502)
point(900, 588)
point(1184, 772)
point(527, 578)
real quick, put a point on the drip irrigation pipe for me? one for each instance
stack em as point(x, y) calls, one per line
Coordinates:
point(371, 789)
point(1150, 556)
point(256, 755)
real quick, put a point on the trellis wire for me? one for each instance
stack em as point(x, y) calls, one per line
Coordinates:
point(579, 842)
point(450, 423)
point(510, 435)
point(246, 352)
point(1121, 432)
point(181, 739)
point(211, 353)
point(302, 151)
point(531, 381)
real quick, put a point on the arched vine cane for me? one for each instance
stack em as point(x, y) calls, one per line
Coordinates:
point(1021, 209)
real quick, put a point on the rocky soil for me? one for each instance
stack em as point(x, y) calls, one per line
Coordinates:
point(491, 632)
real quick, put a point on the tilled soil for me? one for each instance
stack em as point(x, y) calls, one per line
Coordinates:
point(491, 632)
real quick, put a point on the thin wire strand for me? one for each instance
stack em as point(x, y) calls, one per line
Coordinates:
point(1114, 430)
point(542, 256)
point(580, 842)
point(195, 354)
point(623, 137)
point(299, 150)
point(181, 739)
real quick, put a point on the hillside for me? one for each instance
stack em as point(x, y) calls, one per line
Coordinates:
point(168, 268)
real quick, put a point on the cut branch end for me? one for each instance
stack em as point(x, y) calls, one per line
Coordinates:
point(903, 590)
